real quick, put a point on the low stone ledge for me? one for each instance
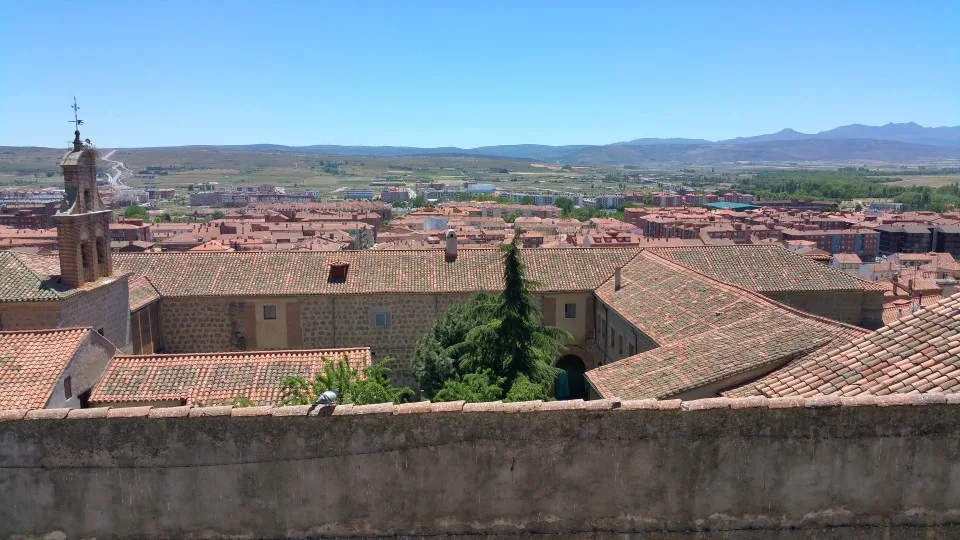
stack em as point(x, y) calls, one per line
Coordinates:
point(343, 410)
point(522, 406)
point(859, 401)
point(12, 414)
point(706, 404)
point(217, 410)
point(291, 410)
point(418, 407)
point(263, 410)
point(896, 400)
point(375, 408)
point(669, 405)
point(933, 399)
point(129, 412)
point(568, 405)
point(953, 399)
point(448, 406)
point(170, 412)
point(83, 414)
point(822, 402)
point(489, 406)
point(602, 404)
point(785, 402)
point(639, 405)
point(46, 414)
point(752, 402)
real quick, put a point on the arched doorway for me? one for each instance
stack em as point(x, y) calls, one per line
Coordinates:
point(571, 383)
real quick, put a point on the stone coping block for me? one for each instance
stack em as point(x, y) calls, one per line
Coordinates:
point(219, 410)
point(170, 412)
point(129, 412)
point(83, 414)
point(47, 414)
point(458, 407)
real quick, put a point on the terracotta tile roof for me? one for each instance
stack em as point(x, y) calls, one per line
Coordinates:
point(31, 362)
point(370, 271)
point(898, 309)
point(763, 268)
point(142, 293)
point(212, 378)
point(919, 353)
point(707, 330)
point(35, 278)
point(30, 278)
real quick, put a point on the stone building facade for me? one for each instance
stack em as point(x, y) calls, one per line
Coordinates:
point(390, 325)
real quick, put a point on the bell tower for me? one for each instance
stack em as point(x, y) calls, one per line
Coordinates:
point(83, 222)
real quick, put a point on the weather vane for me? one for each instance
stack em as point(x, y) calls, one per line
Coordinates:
point(75, 120)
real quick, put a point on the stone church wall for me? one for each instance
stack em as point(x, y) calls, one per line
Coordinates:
point(860, 468)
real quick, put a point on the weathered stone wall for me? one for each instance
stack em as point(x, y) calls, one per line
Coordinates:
point(862, 308)
point(29, 315)
point(198, 325)
point(717, 468)
point(107, 306)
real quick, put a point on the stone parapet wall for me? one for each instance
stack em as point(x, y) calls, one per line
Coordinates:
point(106, 307)
point(868, 467)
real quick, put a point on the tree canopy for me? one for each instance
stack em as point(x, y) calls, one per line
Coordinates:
point(359, 386)
point(492, 341)
point(135, 212)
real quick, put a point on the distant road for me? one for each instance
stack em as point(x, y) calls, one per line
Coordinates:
point(118, 171)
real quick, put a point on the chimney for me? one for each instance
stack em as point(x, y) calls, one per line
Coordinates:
point(450, 252)
point(617, 279)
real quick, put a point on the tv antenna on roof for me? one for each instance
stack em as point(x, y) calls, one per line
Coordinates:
point(75, 120)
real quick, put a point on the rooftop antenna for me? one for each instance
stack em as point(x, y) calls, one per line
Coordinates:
point(77, 145)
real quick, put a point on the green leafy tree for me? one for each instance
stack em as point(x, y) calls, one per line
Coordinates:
point(359, 386)
point(433, 363)
point(565, 204)
point(526, 199)
point(217, 215)
point(135, 212)
point(472, 388)
point(524, 389)
point(514, 342)
point(510, 218)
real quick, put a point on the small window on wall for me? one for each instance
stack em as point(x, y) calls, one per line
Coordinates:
point(631, 349)
point(100, 331)
point(570, 311)
point(269, 313)
point(381, 319)
point(620, 346)
point(67, 388)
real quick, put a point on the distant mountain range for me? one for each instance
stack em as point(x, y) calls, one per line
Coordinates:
point(856, 143)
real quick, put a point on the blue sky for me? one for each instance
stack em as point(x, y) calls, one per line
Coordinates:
point(469, 74)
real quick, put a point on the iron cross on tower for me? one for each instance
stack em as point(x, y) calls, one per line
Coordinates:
point(77, 145)
point(76, 120)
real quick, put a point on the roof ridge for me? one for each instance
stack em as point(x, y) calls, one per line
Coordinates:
point(764, 298)
point(46, 330)
point(241, 353)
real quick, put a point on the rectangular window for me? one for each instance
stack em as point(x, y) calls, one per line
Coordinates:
point(67, 388)
point(381, 319)
point(620, 346)
point(269, 313)
point(570, 311)
point(631, 349)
